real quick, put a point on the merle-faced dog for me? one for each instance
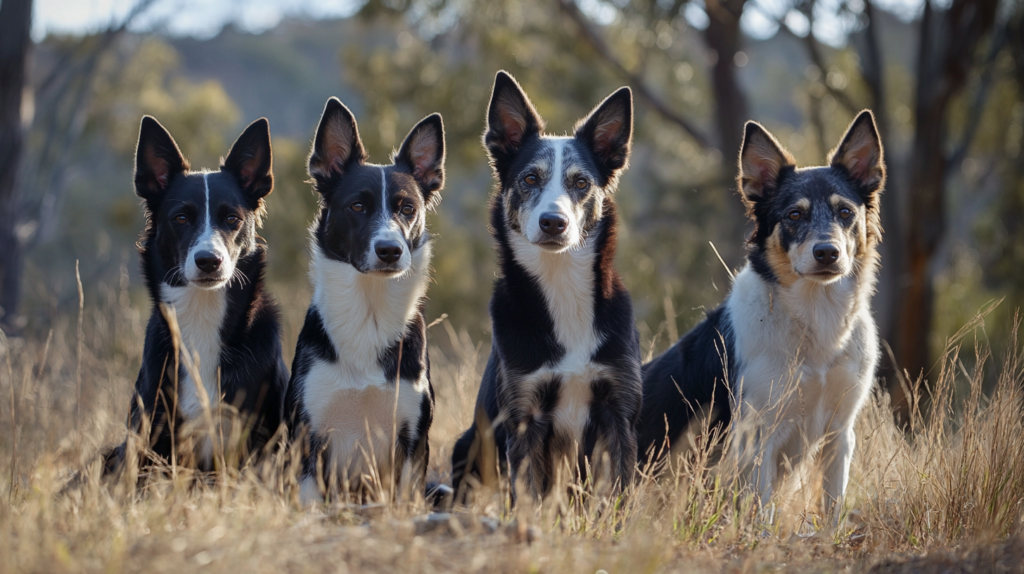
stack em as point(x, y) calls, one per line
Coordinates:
point(202, 258)
point(562, 385)
point(791, 354)
point(365, 332)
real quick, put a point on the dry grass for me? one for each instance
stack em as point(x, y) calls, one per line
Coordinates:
point(948, 495)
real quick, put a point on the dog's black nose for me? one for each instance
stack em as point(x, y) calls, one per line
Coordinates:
point(207, 261)
point(388, 251)
point(826, 253)
point(553, 224)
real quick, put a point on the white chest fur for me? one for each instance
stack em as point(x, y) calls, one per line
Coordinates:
point(807, 326)
point(200, 314)
point(350, 401)
point(807, 355)
point(567, 282)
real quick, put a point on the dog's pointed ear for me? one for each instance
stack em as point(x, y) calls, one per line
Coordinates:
point(608, 131)
point(511, 120)
point(422, 153)
point(157, 159)
point(860, 154)
point(761, 161)
point(336, 145)
point(250, 160)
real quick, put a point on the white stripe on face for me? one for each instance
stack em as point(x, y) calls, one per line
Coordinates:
point(554, 199)
point(387, 230)
point(209, 240)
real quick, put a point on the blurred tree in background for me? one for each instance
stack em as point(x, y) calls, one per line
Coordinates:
point(15, 24)
point(945, 80)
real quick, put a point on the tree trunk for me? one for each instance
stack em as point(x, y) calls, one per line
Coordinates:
point(948, 43)
point(723, 36)
point(15, 24)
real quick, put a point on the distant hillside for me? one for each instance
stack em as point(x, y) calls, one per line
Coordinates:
point(285, 74)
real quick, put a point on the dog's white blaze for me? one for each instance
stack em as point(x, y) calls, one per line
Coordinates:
point(363, 314)
point(567, 281)
point(200, 313)
point(209, 240)
point(806, 356)
point(554, 198)
point(387, 230)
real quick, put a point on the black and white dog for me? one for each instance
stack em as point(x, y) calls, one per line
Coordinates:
point(365, 332)
point(202, 257)
point(562, 386)
point(790, 357)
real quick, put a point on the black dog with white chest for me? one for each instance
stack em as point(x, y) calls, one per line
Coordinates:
point(360, 402)
point(202, 258)
point(562, 388)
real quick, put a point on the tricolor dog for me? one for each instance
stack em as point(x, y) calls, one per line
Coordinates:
point(360, 401)
point(790, 357)
point(202, 258)
point(561, 390)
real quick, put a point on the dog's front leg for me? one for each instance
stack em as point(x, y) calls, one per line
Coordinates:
point(517, 453)
point(837, 453)
point(622, 453)
point(764, 471)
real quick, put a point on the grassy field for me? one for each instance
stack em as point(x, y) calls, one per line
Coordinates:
point(947, 495)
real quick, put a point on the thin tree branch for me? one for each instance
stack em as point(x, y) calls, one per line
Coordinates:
point(59, 84)
point(635, 81)
point(978, 104)
point(814, 53)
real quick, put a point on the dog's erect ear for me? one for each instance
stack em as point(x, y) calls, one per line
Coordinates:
point(608, 131)
point(511, 120)
point(422, 153)
point(157, 159)
point(336, 145)
point(250, 160)
point(762, 158)
point(861, 155)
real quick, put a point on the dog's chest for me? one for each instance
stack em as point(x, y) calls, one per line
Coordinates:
point(350, 402)
point(358, 411)
point(561, 390)
point(804, 347)
point(200, 314)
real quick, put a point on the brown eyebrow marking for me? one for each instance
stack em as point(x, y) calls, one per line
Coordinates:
point(804, 203)
point(541, 165)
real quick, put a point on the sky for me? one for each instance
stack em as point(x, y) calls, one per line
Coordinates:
point(205, 18)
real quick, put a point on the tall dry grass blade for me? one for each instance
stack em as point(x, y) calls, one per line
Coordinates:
point(78, 354)
point(670, 314)
point(732, 276)
point(394, 418)
point(6, 350)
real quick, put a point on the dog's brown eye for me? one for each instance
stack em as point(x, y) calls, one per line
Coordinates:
point(794, 215)
point(408, 210)
point(181, 220)
point(530, 179)
point(233, 220)
point(357, 207)
point(582, 183)
point(845, 213)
